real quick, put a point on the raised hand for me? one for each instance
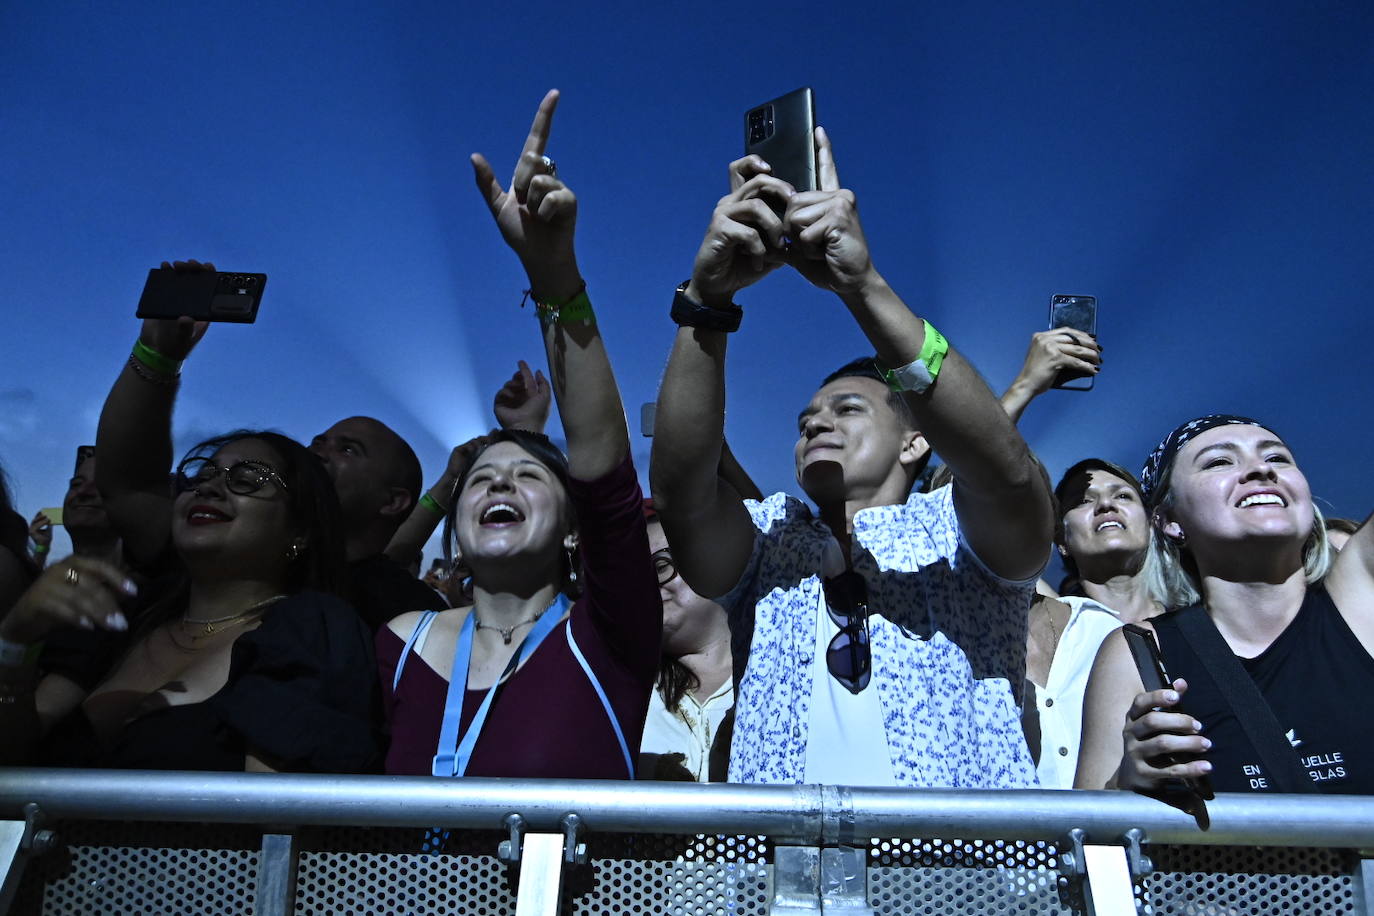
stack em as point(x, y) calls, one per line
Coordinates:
point(828, 245)
point(40, 530)
point(176, 338)
point(537, 214)
point(78, 592)
point(523, 402)
point(1056, 349)
point(744, 241)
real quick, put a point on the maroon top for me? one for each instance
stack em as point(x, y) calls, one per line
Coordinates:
point(546, 720)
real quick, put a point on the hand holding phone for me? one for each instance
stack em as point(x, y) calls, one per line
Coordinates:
point(1189, 794)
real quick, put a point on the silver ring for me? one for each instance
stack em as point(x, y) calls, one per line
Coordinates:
point(72, 577)
point(550, 165)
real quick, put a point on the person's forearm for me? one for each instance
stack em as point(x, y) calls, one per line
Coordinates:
point(134, 442)
point(959, 415)
point(689, 421)
point(583, 385)
point(134, 438)
point(1016, 399)
point(410, 538)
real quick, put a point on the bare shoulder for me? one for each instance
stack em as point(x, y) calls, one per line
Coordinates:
point(405, 624)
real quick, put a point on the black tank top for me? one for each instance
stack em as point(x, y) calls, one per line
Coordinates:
point(1319, 681)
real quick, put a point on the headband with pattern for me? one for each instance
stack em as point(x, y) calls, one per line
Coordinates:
point(1160, 460)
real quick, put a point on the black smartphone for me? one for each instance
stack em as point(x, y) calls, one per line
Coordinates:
point(647, 412)
point(1188, 794)
point(1079, 313)
point(205, 295)
point(783, 133)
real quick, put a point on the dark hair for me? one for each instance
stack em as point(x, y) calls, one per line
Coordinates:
point(541, 449)
point(866, 367)
point(311, 502)
point(14, 531)
point(675, 680)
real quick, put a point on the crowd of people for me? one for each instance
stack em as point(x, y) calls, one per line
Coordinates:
point(257, 603)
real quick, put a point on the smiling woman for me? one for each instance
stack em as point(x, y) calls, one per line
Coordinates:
point(1272, 655)
point(548, 674)
point(234, 652)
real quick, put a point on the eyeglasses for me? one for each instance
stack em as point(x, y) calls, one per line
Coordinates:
point(848, 656)
point(664, 566)
point(241, 477)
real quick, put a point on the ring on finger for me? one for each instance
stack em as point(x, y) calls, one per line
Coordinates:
point(550, 166)
point(72, 577)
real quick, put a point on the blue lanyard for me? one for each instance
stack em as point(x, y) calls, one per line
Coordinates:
point(453, 754)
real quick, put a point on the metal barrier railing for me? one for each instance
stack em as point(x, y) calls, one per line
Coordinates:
point(821, 836)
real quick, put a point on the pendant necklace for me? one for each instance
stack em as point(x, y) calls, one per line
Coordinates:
point(506, 632)
point(199, 630)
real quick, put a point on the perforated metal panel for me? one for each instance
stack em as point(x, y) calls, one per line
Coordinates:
point(1244, 880)
point(938, 877)
point(131, 868)
point(151, 869)
point(646, 874)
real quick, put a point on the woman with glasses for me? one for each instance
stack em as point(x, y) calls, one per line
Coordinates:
point(691, 712)
point(244, 658)
point(548, 673)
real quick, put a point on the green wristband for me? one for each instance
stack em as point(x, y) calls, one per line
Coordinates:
point(40, 548)
point(154, 360)
point(573, 310)
point(919, 374)
point(432, 504)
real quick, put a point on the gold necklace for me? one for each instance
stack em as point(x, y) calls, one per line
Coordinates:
point(209, 628)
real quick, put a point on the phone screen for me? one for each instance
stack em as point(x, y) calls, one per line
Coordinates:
point(1079, 313)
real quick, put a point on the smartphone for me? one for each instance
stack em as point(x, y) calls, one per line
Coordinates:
point(54, 514)
point(647, 412)
point(1188, 794)
point(205, 295)
point(783, 133)
point(1079, 313)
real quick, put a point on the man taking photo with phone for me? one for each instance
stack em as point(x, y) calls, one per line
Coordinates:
point(881, 640)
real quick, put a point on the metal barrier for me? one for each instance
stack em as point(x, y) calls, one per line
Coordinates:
point(208, 843)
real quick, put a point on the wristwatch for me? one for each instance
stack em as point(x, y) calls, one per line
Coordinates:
point(689, 313)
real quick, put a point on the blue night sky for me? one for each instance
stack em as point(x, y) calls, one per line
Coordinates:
point(1203, 169)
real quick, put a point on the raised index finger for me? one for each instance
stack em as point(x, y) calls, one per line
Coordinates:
point(542, 124)
point(827, 177)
